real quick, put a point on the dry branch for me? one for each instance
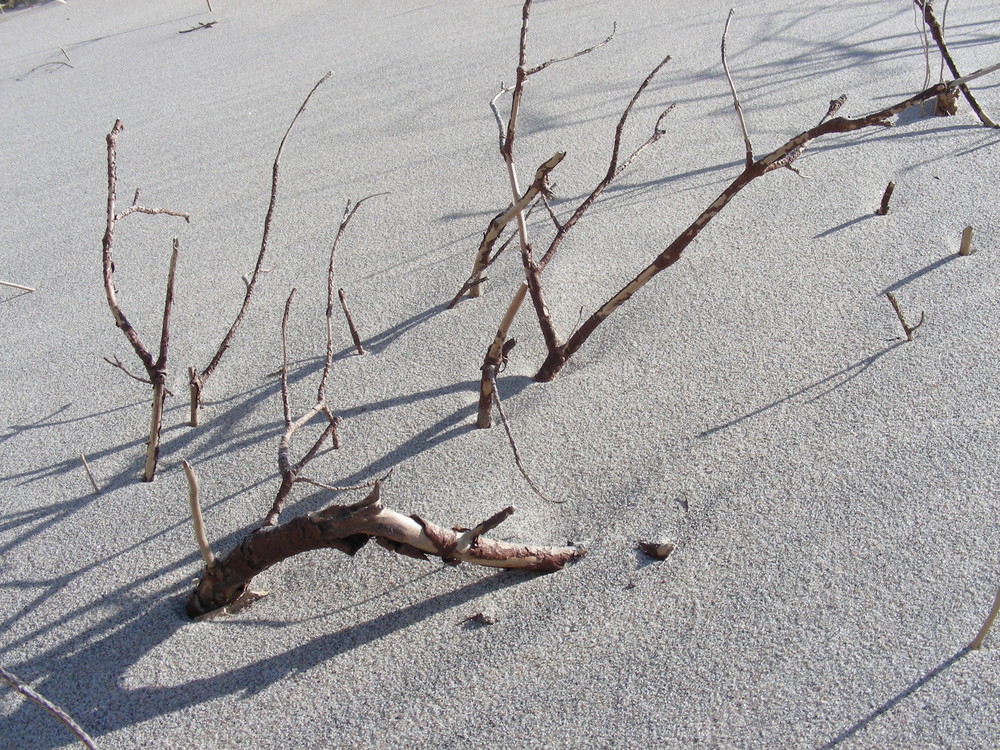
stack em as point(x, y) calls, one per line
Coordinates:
point(156, 369)
point(533, 268)
point(197, 380)
point(350, 322)
point(883, 209)
point(491, 372)
point(732, 89)
point(17, 286)
point(977, 642)
point(936, 31)
point(673, 252)
point(38, 699)
point(348, 528)
point(965, 246)
point(902, 320)
point(90, 474)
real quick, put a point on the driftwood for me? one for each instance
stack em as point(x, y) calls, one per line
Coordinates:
point(156, 369)
point(197, 380)
point(348, 528)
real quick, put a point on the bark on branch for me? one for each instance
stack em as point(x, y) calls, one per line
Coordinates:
point(673, 252)
point(348, 528)
point(156, 369)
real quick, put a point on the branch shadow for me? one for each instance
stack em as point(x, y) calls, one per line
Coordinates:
point(105, 653)
point(835, 381)
point(895, 700)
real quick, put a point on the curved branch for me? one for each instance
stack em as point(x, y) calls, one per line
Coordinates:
point(348, 528)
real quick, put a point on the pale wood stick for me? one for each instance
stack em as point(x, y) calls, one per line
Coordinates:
point(17, 286)
point(196, 518)
point(350, 322)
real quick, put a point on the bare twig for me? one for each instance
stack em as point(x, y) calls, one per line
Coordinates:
point(196, 518)
point(581, 53)
point(936, 31)
point(17, 286)
point(490, 372)
point(201, 25)
point(38, 699)
point(902, 321)
point(291, 472)
point(350, 322)
point(736, 98)
point(673, 252)
point(90, 474)
point(348, 528)
point(198, 380)
point(349, 210)
point(156, 369)
point(977, 642)
point(883, 209)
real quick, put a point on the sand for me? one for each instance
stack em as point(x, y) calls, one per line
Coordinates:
point(830, 487)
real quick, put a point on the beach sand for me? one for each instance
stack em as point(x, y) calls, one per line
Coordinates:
point(830, 487)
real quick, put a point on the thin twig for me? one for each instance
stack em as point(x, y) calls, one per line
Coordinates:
point(285, 404)
point(977, 642)
point(17, 286)
point(581, 53)
point(490, 371)
point(350, 322)
point(345, 488)
point(37, 698)
point(198, 380)
point(90, 474)
point(736, 98)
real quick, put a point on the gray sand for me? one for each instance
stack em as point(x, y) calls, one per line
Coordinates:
point(832, 489)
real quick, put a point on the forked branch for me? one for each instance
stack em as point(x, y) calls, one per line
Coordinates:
point(938, 33)
point(673, 252)
point(156, 369)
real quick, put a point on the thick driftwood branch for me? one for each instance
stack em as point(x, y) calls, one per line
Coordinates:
point(673, 252)
point(348, 528)
point(40, 700)
point(936, 31)
point(197, 380)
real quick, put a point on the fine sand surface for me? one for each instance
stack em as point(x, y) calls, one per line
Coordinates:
point(831, 488)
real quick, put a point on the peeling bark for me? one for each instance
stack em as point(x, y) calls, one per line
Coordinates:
point(348, 528)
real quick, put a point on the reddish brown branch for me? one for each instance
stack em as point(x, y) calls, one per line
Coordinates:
point(156, 370)
point(883, 209)
point(672, 253)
